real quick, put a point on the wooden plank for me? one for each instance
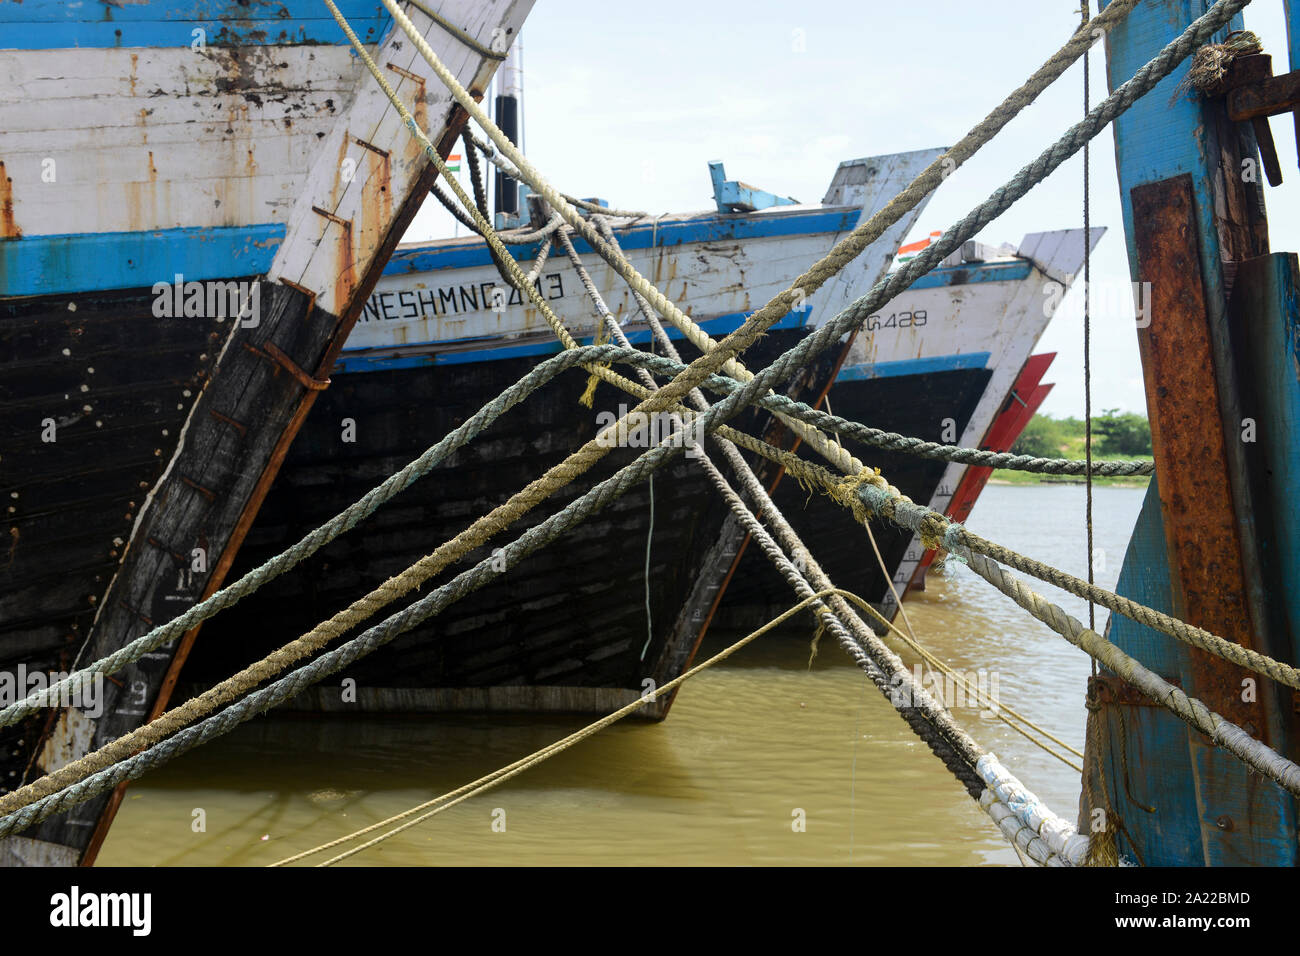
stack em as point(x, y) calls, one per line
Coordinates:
point(213, 486)
point(173, 132)
point(1264, 315)
point(1277, 94)
point(1170, 137)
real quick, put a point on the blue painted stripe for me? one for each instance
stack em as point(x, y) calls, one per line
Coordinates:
point(1292, 9)
point(126, 260)
point(974, 272)
point(64, 24)
point(707, 227)
point(917, 366)
point(365, 360)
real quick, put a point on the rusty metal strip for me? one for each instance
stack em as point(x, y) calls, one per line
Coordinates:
point(374, 149)
point(345, 223)
point(237, 426)
point(137, 612)
point(309, 293)
point(205, 492)
point(1206, 559)
point(413, 77)
point(290, 366)
point(1114, 690)
point(273, 353)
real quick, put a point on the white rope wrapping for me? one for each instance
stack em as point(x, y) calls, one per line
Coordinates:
point(1061, 838)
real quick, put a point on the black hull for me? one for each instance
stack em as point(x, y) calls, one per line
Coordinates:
point(907, 404)
point(564, 630)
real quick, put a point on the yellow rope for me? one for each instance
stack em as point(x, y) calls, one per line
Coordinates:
point(488, 781)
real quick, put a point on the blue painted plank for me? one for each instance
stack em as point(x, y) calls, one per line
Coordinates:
point(709, 227)
point(973, 272)
point(1266, 317)
point(127, 260)
point(1292, 8)
point(66, 24)
point(916, 366)
point(1154, 758)
point(733, 196)
point(1193, 787)
point(370, 361)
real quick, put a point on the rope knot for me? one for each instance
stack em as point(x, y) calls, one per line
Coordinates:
point(1208, 74)
point(588, 397)
point(865, 494)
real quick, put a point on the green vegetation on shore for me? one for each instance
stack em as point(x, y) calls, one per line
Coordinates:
point(1115, 437)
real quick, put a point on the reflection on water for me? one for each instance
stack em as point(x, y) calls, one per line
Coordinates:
point(747, 745)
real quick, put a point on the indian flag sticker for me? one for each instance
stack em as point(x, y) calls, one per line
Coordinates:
point(913, 249)
point(453, 162)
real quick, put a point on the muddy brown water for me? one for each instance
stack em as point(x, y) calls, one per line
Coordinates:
point(750, 749)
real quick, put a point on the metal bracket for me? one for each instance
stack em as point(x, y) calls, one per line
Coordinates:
point(1255, 94)
point(277, 355)
point(1113, 690)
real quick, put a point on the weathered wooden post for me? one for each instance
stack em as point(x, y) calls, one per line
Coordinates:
point(1208, 546)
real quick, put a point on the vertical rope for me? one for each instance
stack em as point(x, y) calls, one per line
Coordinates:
point(1087, 326)
point(649, 537)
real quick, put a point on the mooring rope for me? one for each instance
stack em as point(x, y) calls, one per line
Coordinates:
point(922, 717)
point(936, 530)
point(790, 540)
point(458, 33)
point(828, 266)
point(495, 778)
point(281, 563)
point(1119, 101)
point(494, 157)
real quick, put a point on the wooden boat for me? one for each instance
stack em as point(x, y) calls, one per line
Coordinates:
point(195, 203)
point(583, 625)
point(949, 361)
point(1216, 540)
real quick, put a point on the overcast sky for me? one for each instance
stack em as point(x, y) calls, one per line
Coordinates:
point(630, 101)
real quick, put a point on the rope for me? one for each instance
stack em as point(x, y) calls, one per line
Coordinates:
point(1219, 730)
point(936, 529)
point(1146, 77)
point(447, 800)
point(457, 32)
point(1087, 329)
point(806, 285)
point(494, 157)
point(919, 188)
point(516, 237)
point(881, 666)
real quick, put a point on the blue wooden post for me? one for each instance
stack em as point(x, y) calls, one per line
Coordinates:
point(1178, 800)
point(734, 196)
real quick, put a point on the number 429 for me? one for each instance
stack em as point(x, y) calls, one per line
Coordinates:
point(896, 320)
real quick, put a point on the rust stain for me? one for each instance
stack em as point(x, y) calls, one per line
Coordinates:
point(338, 182)
point(1203, 541)
point(377, 195)
point(347, 263)
point(135, 63)
point(8, 228)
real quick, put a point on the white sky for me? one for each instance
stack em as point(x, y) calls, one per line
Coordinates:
point(629, 102)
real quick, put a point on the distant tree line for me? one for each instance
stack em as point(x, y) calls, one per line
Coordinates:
point(1113, 433)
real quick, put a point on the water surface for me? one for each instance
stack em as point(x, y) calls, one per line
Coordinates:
point(747, 747)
